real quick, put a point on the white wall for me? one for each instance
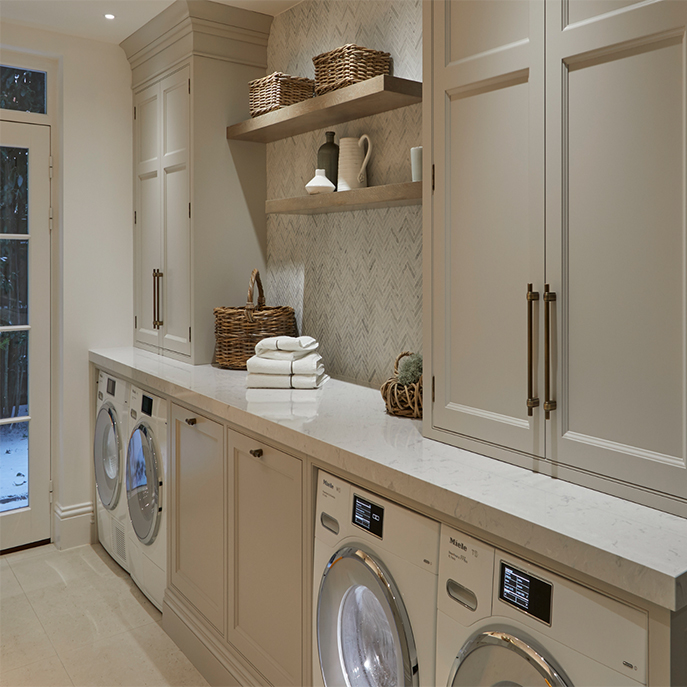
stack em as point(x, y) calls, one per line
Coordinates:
point(92, 250)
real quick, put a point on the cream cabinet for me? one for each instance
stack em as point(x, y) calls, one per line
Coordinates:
point(236, 555)
point(162, 214)
point(266, 557)
point(198, 221)
point(199, 531)
point(555, 239)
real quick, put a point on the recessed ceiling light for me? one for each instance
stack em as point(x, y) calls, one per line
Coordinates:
point(109, 16)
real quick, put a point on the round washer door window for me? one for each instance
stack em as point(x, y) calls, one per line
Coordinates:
point(500, 659)
point(363, 632)
point(143, 484)
point(107, 451)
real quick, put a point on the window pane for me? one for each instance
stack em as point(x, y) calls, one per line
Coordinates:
point(14, 374)
point(22, 90)
point(14, 466)
point(14, 182)
point(14, 279)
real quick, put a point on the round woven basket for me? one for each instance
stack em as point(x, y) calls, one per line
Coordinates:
point(404, 400)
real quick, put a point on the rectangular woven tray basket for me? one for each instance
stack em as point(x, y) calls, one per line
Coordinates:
point(347, 65)
point(276, 91)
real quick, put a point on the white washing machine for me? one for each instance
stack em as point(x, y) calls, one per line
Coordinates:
point(375, 581)
point(504, 621)
point(146, 478)
point(109, 453)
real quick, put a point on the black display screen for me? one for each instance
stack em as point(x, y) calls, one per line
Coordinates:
point(368, 515)
point(147, 405)
point(525, 592)
point(111, 384)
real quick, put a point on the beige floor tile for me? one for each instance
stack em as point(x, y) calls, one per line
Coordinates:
point(9, 585)
point(22, 637)
point(90, 608)
point(46, 566)
point(47, 673)
point(143, 656)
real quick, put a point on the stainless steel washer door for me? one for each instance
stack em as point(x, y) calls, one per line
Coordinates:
point(107, 460)
point(143, 484)
point(501, 659)
point(364, 636)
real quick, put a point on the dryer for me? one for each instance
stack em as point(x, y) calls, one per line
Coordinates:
point(504, 621)
point(375, 582)
point(146, 478)
point(109, 453)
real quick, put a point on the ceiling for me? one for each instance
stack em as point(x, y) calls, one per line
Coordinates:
point(86, 18)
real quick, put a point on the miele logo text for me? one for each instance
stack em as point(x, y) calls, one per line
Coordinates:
point(327, 484)
point(459, 544)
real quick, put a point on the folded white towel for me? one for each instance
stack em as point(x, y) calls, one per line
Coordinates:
point(306, 365)
point(298, 344)
point(258, 381)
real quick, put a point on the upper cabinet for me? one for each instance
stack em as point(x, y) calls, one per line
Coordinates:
point(555, 239)
point(199, 224)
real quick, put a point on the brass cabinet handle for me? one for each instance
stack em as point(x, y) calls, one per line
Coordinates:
point(256, 452)
point(532, 401)
point(154, 299)
point(549, 403)
point(157, 277)
point(191, 421)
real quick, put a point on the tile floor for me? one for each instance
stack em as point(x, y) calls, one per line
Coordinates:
point(75, 617)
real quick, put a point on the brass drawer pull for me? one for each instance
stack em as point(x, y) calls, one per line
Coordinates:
point(532, 401)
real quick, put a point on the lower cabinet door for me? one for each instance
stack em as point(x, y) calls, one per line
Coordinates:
point(266, 558)
point(198, 527)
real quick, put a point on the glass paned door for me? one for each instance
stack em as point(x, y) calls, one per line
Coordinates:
point(24, 334)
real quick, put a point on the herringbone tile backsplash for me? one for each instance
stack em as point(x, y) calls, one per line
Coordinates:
point(354, 278)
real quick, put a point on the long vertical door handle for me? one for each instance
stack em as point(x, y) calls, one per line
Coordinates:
point(159, 313)
point(532, 401)
point(154, 299)
point(549, 403)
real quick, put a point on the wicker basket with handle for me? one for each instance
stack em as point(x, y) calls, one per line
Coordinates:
point(237, 330)
point(347, 65)
point(404, 400)
point(276, 91)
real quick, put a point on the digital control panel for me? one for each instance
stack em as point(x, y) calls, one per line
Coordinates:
point(111, 385)
point(526, 592)
point(368, 515)
point(147, 405)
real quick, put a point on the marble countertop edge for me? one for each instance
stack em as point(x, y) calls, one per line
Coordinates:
point(603, 537)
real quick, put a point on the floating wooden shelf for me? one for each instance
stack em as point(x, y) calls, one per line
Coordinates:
point(409, 193)
point(379, 94)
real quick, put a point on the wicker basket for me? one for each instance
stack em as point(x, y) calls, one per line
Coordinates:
point(237, 330)
point(278, 90)
point(404, 400)
point(347, 65)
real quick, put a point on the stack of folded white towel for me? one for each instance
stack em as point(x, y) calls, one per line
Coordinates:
point(286, 362)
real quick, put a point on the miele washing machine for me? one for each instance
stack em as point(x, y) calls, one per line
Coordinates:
point(146, 478)
point(504, 621)
point(109, 452)
point(375, 583)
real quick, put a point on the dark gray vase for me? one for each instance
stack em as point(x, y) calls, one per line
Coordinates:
point(328, 158)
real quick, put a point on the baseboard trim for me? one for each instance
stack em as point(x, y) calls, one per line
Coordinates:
point(74, 525)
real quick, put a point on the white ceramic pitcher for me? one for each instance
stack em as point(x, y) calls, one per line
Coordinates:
point(352, 166)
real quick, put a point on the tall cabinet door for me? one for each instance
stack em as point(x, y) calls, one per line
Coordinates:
point(617, 238)
point(176, 211)
point(488, 218)
point(148, 215)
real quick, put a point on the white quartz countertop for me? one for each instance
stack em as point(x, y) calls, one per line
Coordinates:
point(631, 547)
